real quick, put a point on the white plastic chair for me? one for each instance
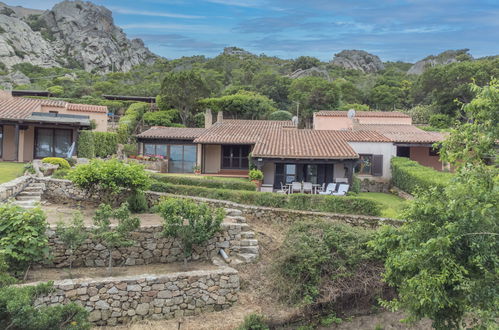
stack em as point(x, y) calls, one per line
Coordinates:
point(329, 189)
point(342, 190)
point(307, 187)
point(295, 187)
point(284, 189)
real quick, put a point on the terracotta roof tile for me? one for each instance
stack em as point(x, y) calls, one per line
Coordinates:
point(181, 133)
point(87, 107)
point(379, 114)
point(402, 133)
point(240, 131)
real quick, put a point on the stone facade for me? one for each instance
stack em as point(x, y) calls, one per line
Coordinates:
point(12, 188)
point(150, 247)
point(123, 299)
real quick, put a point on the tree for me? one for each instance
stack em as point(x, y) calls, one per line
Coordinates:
point(242, 105)
point(312, 94)
point(274, 86)
point(305, 62)
point(444, 259)
point(182, 90)
point(72, 234)
point(194, 224)
point(281, 115)
point(114, 236)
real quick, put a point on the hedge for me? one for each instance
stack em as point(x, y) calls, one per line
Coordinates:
point(106, 143)
point(86, 145)
point(128, 122)
point(410, 176)
point(206, 182)
point(320, 203)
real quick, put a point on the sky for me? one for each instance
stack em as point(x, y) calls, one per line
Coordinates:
point(395, 30)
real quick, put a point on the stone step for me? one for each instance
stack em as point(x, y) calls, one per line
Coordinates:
point(31, 188)
point(249, 242)
point(37, 185)
point(249, 249)
point(246, 257)
point(30, 193)
point(244, 227)
point(28, 198)
point(25, 204)
point(248, 234)
point(236, 219)
point(233, 212)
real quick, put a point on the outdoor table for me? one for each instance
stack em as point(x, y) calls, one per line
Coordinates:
point(315, 187)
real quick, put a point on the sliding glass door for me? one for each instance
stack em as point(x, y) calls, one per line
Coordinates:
point(52, 142)
point(235, 157)
point(182, 158)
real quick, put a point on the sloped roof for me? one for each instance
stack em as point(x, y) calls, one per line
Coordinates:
point(378, 114)
point(180, 133)
point(402, 133)
point(86, 107)
point(232, 131)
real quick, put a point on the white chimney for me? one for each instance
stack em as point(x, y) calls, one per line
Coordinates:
point(208, 118)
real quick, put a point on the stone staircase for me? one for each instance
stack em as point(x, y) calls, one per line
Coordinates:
point(249, 250)
point(30, 196)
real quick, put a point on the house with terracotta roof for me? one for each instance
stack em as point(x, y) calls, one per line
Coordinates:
point(280, 149)
point(37, 128)
point(407, 139)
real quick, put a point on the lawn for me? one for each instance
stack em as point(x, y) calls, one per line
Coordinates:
point(195, 176)
point(10, 171)
point(392, 205)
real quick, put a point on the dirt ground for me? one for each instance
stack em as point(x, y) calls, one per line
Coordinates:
point(52, 274)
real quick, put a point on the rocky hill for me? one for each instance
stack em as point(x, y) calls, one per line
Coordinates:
point(447, 57)
point(358, 60)
point(73, 34)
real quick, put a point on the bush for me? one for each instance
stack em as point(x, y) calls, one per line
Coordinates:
point(18, 311)
point(321, 261)
point(63, 164)
point(355, 185)
point(61, 174)
point(137, 202)
point(110, 179)
point(255, 175)
point(86, 145)
point(335, 204)
point(71, 161)
point(410, 176)
point(254, 322)
point(130, 149)
point(22, 235)
point(106, 143)
point(206, 182)
point(280, 115)
point(128, 122)
point(162, 118)
point(440, 121)
point(194, 224)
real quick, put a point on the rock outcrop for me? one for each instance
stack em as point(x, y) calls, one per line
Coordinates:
point(71, 34)
point(312, 72)
point(358, 60)
point(235, 51)
point(447, 57)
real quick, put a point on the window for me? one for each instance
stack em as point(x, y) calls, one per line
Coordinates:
point(404, 152)
point(1, 141)
point(155, 149)
point(364, 166)
point(433, 151)
point(51, 142)
point(289, 173)
point(182, 158)
point(311, 173)
point(235, 157)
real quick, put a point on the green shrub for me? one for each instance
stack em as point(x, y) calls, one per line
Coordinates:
point(335, 204)
point(71, 161)
point(206, 182)
point(61, 174)
point(319, 259)
point(72, 234)
point(130, 149)
point(194, 224)
point(410, 176)
point(440, 121)
point(18, 311)
point(86, 144)
point(63, 164)
point(355, 185)
point(280, 115)
point(128, 122)
point(106, 143)
point(255, 175)
point(22, 235)
point(254, 322)
point(110, 179)
point(162, 118)
point(137, 202)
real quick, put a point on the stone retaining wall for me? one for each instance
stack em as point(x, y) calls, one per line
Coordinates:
point(64, 191)
point(150, 247)
point(369, 185)
point(12, 188)
point(122, 299)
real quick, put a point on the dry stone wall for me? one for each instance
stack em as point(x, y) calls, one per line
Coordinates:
point(123, 299)
point(150, 246)
point(12, 188)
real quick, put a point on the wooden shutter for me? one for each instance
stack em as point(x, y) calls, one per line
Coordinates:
point(377, 169)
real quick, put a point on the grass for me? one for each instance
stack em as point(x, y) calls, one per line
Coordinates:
point(204, 176)
point(392, 205)
point(10, 171)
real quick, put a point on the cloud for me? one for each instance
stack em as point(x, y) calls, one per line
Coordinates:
point(128, 11)
point(238, 3)
point(179, 41)
point(198, 28)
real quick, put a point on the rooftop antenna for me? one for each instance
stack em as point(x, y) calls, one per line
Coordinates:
point(351, 113)
point(294, 120)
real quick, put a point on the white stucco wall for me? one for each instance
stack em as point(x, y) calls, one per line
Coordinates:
point(388, 150)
